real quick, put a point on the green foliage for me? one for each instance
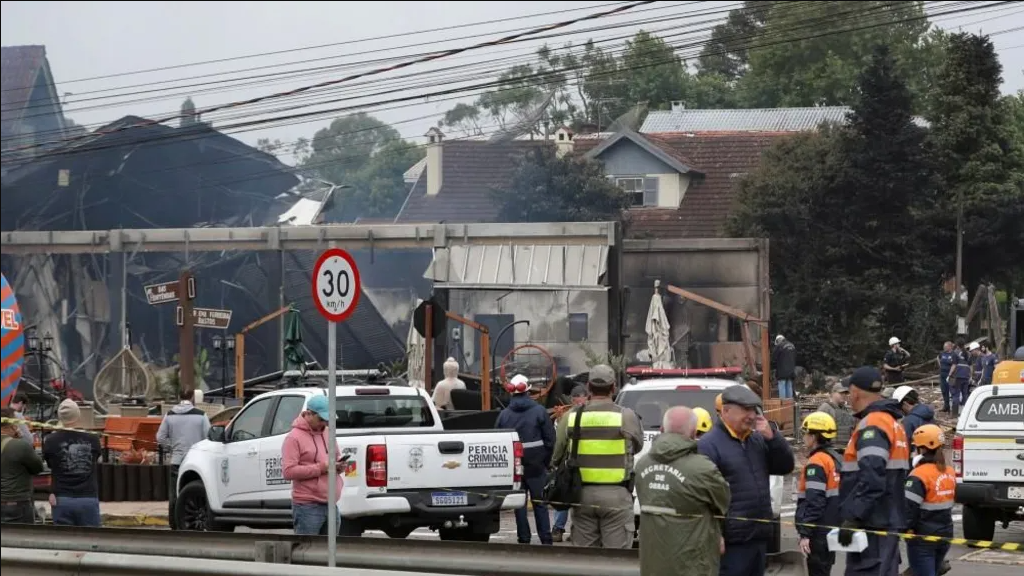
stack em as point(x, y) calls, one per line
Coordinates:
point(976, 138)
point(809, 54)
point(727, 53)
point(546, 188)
point(370, 157)
point(841, 207)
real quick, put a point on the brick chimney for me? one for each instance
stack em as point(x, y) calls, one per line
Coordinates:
point(434, 164)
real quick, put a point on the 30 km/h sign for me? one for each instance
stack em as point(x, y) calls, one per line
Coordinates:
point(336, 285)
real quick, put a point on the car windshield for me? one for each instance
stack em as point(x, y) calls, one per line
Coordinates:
point(384, 412)
point(650, 405)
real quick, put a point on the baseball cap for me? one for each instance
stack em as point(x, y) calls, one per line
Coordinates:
point(840, 387)
point(867, 378)
point(740, 395)
point(601, 375)
point(318, 404)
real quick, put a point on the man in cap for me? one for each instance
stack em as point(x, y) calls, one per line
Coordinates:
point(747, 451)
point(18, 464)
point(579, 397)
point(72, 455)
point(609, 437)
point(530, 420)
point(305, 464)
point(874, 470)
point(838, 408)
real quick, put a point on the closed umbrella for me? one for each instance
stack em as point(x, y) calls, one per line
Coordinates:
point(415, 353)
point(293, 357)
point(657, 329)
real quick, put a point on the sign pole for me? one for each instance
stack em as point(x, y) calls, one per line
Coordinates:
point(332, 448)
point(336, 288)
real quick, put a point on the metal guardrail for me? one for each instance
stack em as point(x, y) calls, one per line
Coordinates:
point(27, 562)
point(468, 558)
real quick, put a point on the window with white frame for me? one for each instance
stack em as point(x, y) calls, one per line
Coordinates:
point(641, 191)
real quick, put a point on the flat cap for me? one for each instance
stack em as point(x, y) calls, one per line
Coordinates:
point(867, 378)
point(740, 395)
point(601, 375)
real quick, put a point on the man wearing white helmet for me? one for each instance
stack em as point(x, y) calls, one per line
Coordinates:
point(915, 412)
point(896, 360)
point(537, 433)
point(784, 363)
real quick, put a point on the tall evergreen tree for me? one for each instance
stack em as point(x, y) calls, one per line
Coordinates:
point(980, 164)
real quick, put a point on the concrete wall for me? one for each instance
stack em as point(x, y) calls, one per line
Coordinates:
point(729, 271)
point(548, 313)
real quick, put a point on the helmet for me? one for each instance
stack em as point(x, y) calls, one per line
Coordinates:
point(894, 341)
point(820, 423)
point(973, 346)
point(718, 403)
point(905, 393)
point(929, 436)
point(779, 339)
point(517, 384)
point(703, 419)
point(1019, 354)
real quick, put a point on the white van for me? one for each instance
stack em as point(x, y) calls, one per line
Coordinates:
point(988, 455)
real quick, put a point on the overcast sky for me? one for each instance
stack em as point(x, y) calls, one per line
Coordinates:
point(86, 40)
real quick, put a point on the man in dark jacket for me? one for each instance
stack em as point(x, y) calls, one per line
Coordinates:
point(183, 426)
point(530, 420)
point(874, 470)
point(747, 451)
point(784, 361)
point(681, 493)
point(916, 413)
point(18, 464)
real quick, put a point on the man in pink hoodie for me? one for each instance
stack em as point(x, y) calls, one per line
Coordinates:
point(304, 462)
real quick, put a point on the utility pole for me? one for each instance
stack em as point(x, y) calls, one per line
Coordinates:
point(186, 335)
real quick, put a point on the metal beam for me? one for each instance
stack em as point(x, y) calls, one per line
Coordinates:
point(349, 236)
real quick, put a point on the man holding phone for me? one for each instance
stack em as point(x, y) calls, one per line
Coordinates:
point(746, 450)
point(305, 464)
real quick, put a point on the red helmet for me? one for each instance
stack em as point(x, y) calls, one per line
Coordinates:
point(518, 384)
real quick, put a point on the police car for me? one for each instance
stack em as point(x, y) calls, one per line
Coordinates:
point(404, 470)
point(650, 399)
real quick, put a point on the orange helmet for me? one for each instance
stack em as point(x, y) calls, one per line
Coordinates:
point(929, 436)
point(718, 403)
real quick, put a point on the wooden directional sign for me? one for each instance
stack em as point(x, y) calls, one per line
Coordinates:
point(206, 318)
point(168, 291)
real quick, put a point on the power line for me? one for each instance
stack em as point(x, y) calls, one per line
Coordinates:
point(246, 126)
point(438, 56)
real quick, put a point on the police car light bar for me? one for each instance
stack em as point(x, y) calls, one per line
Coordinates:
point(669, 372)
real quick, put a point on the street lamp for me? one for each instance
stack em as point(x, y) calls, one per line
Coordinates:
point(225, 345)
point(40, 349)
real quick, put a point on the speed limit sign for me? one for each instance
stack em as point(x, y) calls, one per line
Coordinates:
point(336, 285)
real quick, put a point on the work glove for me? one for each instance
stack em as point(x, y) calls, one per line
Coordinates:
point(846, 532)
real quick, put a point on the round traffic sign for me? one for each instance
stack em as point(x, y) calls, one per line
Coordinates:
point(336, 285)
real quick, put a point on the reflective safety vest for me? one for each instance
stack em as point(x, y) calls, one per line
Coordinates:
point(929, 492)
point(817, 498)
point(821, 474)
point(876, 463)
point(602, 456)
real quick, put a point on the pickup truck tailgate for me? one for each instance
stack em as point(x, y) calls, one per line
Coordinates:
point(445, 460)
point(993, 440)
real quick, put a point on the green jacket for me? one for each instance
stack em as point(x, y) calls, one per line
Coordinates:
point(680, 492)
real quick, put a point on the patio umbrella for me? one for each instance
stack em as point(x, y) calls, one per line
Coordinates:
point(657, 329)
point(415, 350)
point(293, 358)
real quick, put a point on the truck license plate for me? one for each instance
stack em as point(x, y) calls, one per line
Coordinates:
point(448, 499)
point(1015, 492)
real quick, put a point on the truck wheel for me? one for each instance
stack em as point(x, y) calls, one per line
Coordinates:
point(398, 532)
point(978, 524)
point(192, 510)
point(775, 542)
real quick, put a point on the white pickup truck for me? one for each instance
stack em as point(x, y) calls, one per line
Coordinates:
point(988, 455)
point(651, 398)
point(404, 472)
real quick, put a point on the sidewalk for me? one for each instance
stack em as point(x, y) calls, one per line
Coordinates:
point(125, 514)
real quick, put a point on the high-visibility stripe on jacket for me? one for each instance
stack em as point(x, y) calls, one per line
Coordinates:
point(817, 497)
point(602, 456)
point(929, 492)
point(874, 469)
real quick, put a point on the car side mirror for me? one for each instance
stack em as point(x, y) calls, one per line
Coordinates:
point(216, 434)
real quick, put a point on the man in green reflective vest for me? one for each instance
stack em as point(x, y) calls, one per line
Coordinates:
point(609, 437)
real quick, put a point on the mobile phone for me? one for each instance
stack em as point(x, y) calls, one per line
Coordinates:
point(344, 457)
